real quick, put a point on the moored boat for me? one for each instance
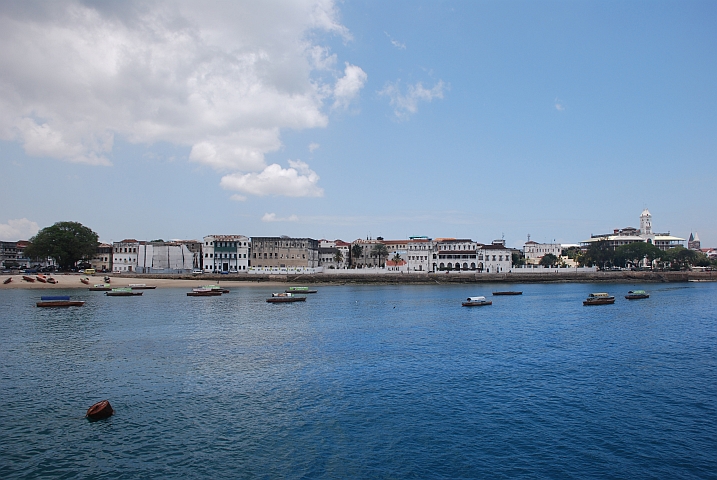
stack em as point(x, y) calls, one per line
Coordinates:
point(122, 292)
point(508, 293)
point(141, 286)
point(476, 302)
point(284, 298)
point(100, 410)
point(299, 290)
point(599, 299)
point(216, 288)
point(637, 295)
point(59, 301)
point(204, 292)
point(100, 288)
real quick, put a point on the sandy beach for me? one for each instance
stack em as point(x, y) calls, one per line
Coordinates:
point(73, 281)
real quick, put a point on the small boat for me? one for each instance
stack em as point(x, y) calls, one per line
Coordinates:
point(122, 292)
point(216, 288)
point(41, 278)
point(599, 299)
point(141, 286)
point(476, 302)
point(100, 410)
point(59, 301)
point(100, 288)
point(637, 294)
point(7, 280)
point(28, 279)
point(51, 280)
point(204, 292)
point(508, 293)
point(284, 298)
point(85, 280)
point(107, 279)
point(299, 290)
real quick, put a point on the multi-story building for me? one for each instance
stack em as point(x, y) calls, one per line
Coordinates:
point(455, 254)
point(102, 260)
point(625, 236)
point(164, 257)
point(284, 252)
point(124, 255)
point(419, 253)
point(9, 255)
point(367, 258)
point(226, 253)
point(534, 251)
point(495, 258)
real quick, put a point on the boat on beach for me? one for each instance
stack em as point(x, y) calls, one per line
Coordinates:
point(284, 298)
point(7, 280)
point(59, 301)
point(41, 278)
point(141, 286)
point(599, 299)
point(85, 280)
point(508, 293)
point(28, 279)
point(122, 292)
point(51, 280)
point(476, 302)
point(299, 290)
point(637, 295)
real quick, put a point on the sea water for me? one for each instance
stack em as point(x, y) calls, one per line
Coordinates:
point(363, 382)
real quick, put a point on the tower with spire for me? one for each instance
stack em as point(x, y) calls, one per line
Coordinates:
point(646, 222)
point(694, 242)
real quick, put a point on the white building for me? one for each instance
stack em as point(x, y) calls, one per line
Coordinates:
point(124, 255)
point(455, 254)
point(495, 258)
point(625, 236)
point(226, 253)
point(164, 257)
point(535, 251)
point(419, 254)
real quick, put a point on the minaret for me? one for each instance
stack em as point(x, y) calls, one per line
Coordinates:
point(646, 222)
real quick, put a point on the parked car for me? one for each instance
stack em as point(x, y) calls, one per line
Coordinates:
point(197, 271)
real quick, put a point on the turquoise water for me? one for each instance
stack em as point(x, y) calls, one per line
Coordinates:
point(363, 382)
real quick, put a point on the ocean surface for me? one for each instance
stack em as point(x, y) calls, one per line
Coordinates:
point(363, 382)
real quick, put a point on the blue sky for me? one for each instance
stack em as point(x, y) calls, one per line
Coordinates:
point(343, 120)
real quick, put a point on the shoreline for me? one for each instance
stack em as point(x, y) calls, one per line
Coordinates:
point(72, 280)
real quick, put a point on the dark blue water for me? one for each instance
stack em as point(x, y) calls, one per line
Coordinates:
point(363, 382)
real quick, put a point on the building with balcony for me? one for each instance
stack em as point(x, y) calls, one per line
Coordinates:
point(284, 252)
point(226, 253)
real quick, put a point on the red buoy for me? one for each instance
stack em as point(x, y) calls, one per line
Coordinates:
point(100, 410)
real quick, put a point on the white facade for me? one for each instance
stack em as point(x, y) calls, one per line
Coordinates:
point(495, 258)
point(535, 251)
point(226, 253)
point(419, 254)
point(455, 254)
point(161, 257)
point(124, 256)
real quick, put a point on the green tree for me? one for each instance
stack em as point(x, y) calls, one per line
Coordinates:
point(549, 260)
point(397, 258)
point(355, 253)
point(634, 253)
point(599, 253)
point(66, 242)
point(338, 257)
point(379, 250)
point(517, 258)
point(679, 258)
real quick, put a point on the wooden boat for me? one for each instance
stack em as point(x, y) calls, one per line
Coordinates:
point(122, 292)
point(100, 288)
point(637, 295)
point(476, 302)
point(86, 281)
point(284, 298)
point(59, 301)
point(100, 410)
point(216, 288)
point(51, 280)
point(198, 292)
point(7, 280)
point(299, 290)
point(141, 286)
point(508, 293)
point(41, 278)
point(28, 279)
point(599, 299)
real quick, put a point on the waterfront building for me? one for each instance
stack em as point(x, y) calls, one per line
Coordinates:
point(164, 257)
point(419, 254)
point(399, 266)
point(102, 259)
point(284, 252)
point(9, 255)
point(226, 253)
point(494, 258)
point(625, 236)
point(367, 258)
point(455, 254)
point(124, 255)
point(534, 251)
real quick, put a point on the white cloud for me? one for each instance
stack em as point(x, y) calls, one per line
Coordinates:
point(296, 181)
point(19, 229)
point(406, 104)
point(396, 43)
point(313, 147)
point(348, 86)
point(559, 106)
point(271, 217)
point(222, 78)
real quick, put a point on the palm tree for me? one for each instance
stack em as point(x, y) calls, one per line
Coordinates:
point(338, 257)
point(355, 253)
point(379, 250)
point(396, 258)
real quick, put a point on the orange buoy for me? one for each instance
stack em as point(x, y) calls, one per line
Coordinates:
point(100, 410)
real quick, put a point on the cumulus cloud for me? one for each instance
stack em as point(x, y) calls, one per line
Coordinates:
point(296, 181)
point(348, 86)
point(271, 217)
point(221, 78)
point(406, 104)
point(313, 147)
point(19, 229)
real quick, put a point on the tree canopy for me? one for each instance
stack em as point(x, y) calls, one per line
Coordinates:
point(355, 252)
point(66, 242)
point(379, 250)
point(549, 260)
